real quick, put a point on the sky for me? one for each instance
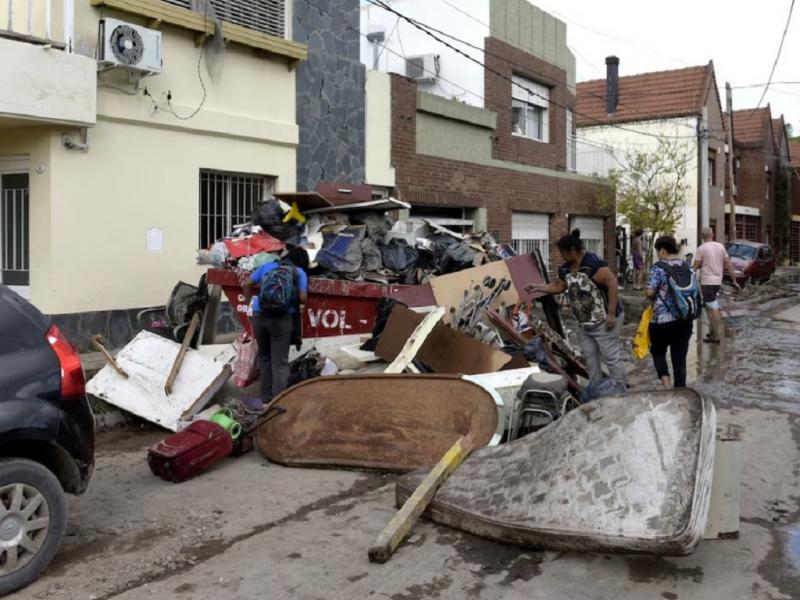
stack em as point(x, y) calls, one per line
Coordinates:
point(742, 39)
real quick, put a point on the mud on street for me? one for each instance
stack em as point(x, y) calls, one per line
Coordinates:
point(250, 529)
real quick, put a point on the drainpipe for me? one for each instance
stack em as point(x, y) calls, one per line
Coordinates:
point(702, 134)
point(376, 38)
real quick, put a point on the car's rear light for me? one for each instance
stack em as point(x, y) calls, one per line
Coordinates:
point(73, 381)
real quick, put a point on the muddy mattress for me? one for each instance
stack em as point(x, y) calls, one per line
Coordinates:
point(388, 422)
point(630, 473)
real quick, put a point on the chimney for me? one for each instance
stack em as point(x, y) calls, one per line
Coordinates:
point(612, 84)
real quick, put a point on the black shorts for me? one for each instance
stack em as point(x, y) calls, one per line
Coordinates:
point(710, 293)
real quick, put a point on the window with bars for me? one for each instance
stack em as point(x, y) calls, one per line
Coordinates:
point(266, 16)
point(530, 231)
point(14, 230)
point(227, 200)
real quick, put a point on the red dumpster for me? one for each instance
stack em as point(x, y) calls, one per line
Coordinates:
point(335, 306)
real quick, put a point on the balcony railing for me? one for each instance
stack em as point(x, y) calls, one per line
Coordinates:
point(43, 22)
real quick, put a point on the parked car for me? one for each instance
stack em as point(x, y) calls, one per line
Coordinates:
point(46, 439)
point(751, 261)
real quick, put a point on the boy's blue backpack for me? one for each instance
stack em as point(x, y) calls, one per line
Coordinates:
point(684, 289)
point(278, 291)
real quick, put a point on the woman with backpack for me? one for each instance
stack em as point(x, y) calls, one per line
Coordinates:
point(281, 299)
point(675, 293)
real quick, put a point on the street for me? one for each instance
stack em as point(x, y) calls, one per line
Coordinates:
point(250, 529)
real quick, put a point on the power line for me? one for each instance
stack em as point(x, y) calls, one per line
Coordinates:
point(778, 56)
point(422, 28)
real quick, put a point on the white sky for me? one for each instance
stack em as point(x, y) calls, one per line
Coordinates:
point(741, 38)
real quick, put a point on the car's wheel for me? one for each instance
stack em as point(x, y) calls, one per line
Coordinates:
point(33, 515)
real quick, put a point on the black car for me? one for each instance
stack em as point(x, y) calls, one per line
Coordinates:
point(46, 438)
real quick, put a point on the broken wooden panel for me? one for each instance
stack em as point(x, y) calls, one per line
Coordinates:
point(148, 359)
point(445, 350)
point(629, 473)
point(386, 422)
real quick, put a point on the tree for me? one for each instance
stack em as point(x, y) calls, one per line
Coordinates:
point(783, 212)
point(649, 188)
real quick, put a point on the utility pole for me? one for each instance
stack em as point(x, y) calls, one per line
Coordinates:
point(731, 162)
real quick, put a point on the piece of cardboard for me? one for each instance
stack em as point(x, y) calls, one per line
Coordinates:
point(445, 350)
point(448, 290)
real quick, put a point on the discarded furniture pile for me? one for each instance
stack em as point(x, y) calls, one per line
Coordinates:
point(436, 367)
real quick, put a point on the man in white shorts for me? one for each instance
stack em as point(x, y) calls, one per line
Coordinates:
point(712, 260)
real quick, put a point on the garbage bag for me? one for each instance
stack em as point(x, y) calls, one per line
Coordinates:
point(245, 364)
point(641, 342)
point(534, 351)
point(305, 367)
point(453, 257)
point(398, 256)
point(341, 252)
point(377, 224)
point(218, 255)
point(372, 255)
point(269, 216)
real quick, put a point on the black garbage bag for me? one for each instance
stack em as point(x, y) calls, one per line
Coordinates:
point(341, 252)
point(534, 351)
point(306, 366)
point(269, 216)
point(398, 256)
point(450, 255)
point(372, 255)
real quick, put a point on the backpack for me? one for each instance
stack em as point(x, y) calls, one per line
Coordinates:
point(278, 291)
point(684, 289)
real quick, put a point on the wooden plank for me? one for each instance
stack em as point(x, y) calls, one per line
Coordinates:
point(97, 343)
point(187, 339)
point(415, 341)
point(401, 523)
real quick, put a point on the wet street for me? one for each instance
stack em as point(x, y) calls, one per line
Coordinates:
point(250, 529)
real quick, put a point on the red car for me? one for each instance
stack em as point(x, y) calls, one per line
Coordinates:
point(752, 261)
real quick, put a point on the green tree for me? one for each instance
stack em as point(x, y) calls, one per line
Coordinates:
point(649, 188)
point(783, 212)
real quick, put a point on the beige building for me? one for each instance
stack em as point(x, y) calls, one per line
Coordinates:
point(112, 178)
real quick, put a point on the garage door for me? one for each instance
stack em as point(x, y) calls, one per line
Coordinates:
point(592, 233)
point(530, 231)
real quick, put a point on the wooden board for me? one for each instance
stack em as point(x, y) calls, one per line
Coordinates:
point(415, 341)
point(387, 422)
point(148, 359)
point(445, 350)
point(629, 473)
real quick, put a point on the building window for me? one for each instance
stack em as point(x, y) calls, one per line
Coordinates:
point(593, 233)
point(530, 109)
point(227, 200)
point(266, 16)
point(530, 231)
point(712, 169)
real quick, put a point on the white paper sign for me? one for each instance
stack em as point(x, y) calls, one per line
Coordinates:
point(155, 240)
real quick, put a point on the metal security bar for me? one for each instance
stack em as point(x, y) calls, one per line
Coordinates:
point(15, 238)
point(266, 16)
point(33, 21)
point(530, 231)
point(228, 199)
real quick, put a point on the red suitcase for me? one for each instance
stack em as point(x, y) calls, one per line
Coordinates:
point(188, 453)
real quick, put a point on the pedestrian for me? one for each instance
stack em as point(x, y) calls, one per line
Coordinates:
point(675, 293)
point(281, 300)
point(591, 289)
point(637, 252)
point(712, 261)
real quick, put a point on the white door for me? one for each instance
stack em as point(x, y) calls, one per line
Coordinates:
point(530, 231)
point(592, 233)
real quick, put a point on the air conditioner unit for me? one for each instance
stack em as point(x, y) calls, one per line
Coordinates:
point(127, 46)
point(424, 68)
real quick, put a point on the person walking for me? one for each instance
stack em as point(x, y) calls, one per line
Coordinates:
point(712, 261)
point(637, 252)
point(674, 291)
point(281, 299)
point(591, 289)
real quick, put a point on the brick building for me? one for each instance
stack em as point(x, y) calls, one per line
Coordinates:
point(756, 164)
point(794, 190)
point(500, 156)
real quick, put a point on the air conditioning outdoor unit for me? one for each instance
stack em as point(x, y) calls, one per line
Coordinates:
point(424, 68)
point(127, 46)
